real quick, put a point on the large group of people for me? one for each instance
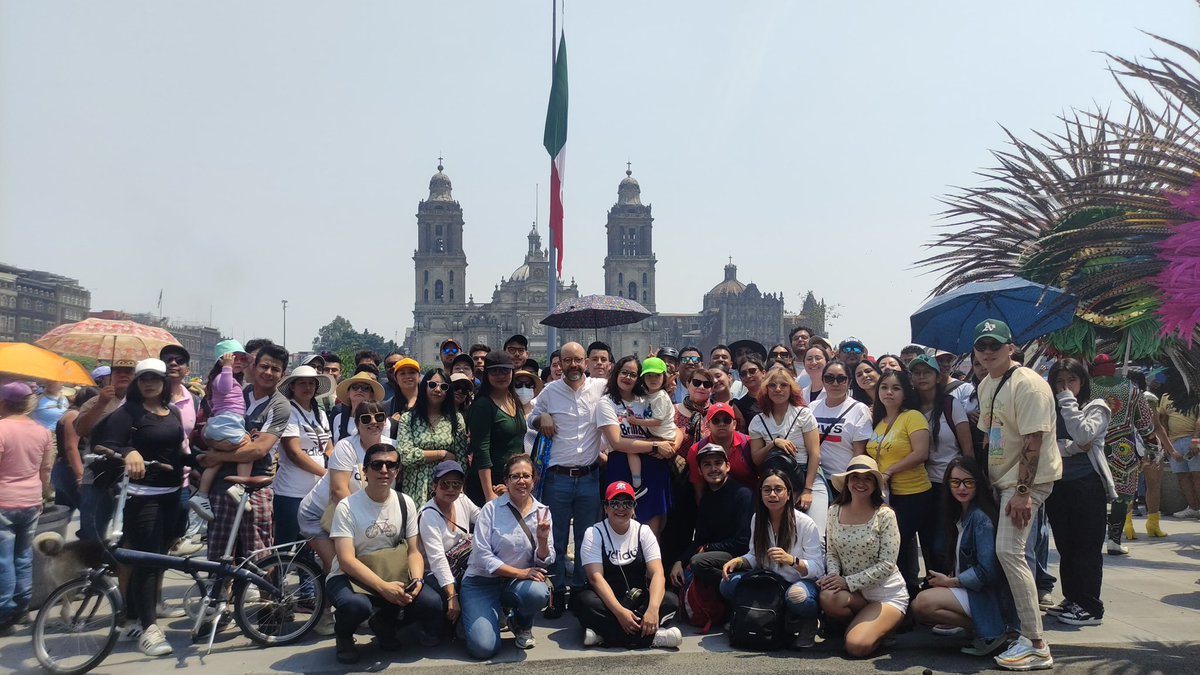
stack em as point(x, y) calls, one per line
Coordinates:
point(469, 498)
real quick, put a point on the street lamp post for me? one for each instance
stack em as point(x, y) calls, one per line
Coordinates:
point(285, 324)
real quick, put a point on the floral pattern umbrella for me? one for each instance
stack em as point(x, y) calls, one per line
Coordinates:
point(105, 340)
point(596, 311)
point(26, 361)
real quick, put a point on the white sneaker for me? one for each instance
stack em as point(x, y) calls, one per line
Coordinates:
point(325, 623)
point(165, 611)
point(154, 643)
point(525, 638)
point(1115, 548)
point(129, 631)
point(667, 638)
point(236, 492)
point(591, 638)
point(1022, 655)
point(186, 547)
point(200, 505)
point(1189, 512)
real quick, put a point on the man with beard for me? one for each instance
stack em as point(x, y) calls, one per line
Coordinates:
point(565, 411)
point(722, 519)
point(689, 361)
point(95, 502)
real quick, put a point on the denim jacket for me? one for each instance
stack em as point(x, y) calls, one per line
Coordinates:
point(980, 574)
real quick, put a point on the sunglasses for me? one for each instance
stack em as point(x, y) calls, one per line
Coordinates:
point(780, 355)
point(852, 350)
point(175, 358)
point(463, 388)
point(962, 482)
point(701, 384)
point(439, 386)
point(989, 346)
point(751, 371)
point(381, 464)
point(721, 420)
point(451, 485)
point(689, 360)
point(448, 351)
point(621, 504)
point(367, 418)
point(365, 388)
point(835, 379)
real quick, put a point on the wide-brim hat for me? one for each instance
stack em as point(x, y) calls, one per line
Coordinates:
point(860, 464)
point(324, 382)
point(537, 381)
point(753, 346)
point(343, 388)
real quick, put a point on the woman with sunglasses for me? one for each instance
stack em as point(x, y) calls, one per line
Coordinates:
point(496, 427)
point(900, 446)
point(342, 478)
point(375, 520)
point(446, 522)
point(787, 543)
point(751, 372)
point(785, 436)
point(690, 415)
point(866, 379)
point(814, 367)
point(780, 354)
point(351, 393)
point(512, 548)
point(304, 448)
point(627, 602)
point(844, 424)
point(429, 434)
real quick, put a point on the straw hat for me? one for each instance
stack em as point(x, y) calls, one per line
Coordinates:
point(324, 382)
point(537, 381)
point(860, 464)
point(343, 388)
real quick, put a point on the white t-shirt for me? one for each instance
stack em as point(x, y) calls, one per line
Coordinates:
point(797, 421)
point(437, 536)
point(963, 393)
point(840, 435)
point(622, 549)
point(313, 431)
point(609, 414)
point(374, 526)
point(945, 447)
point(348, 456)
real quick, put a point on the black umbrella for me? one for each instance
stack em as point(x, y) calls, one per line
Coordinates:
point(596, 311)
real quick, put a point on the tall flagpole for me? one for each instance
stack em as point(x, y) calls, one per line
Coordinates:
point(552, 257)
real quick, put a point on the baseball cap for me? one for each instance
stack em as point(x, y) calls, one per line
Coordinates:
point(406, 362)
point(849, 342)
point(711, 449)
point(15, 392)
point(1103, 366)
point(716, 408)
point(174, 349)
point(312, 359)
point(155, 366)
point(101, 371)
point(497, 360)
point(993, 328)
point(924, 360)
point(448, 466)
point(517, 339)
point(654, 366)
point(228, 347)
point(618, 488)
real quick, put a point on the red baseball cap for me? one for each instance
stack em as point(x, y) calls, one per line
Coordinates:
point(619, 488)
point(719, 408)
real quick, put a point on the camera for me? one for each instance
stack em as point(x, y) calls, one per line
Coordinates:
point(633, 598)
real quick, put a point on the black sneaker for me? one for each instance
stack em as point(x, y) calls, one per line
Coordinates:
point(558, 605)
point(347, 652)
point(385, 633)
point(1078, 616)
point(1055, 610)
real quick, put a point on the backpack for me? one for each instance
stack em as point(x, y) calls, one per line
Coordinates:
point(702, 603)
point(759, 612)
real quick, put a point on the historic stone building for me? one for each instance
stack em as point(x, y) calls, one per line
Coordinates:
point(443, 307)
point(33, 302)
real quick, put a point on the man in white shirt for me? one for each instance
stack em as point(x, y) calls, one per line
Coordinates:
point(565, 411)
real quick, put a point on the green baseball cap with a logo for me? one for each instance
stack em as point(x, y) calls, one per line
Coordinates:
point(995, 329)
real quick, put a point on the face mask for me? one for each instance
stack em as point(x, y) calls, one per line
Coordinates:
point(525, 394)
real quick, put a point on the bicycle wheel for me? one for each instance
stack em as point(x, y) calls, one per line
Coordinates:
point(288, 616)
point(193, 599)
point(77, 626)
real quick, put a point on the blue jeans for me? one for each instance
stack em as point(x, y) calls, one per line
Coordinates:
point(353, 608)
point(482, 600)
point(287, 523)
point(1037, 552)
point(801, 609)
point(570, 499)
point(17, 527)
point(96, 506)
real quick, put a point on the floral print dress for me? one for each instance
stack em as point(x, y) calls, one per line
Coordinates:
point(413, 438)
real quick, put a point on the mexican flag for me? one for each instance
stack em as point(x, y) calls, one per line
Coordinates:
point(555, 140)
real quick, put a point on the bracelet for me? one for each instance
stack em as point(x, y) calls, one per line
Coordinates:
point(795, 561)
point(806, 490)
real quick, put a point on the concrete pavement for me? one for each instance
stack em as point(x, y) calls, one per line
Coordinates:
point(1151, 625)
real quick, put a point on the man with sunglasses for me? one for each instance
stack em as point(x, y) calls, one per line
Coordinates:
point(722, 431)
point(1017, 413)
point(566, 412)
point(689, 361)
point(447, 351)
point(852, 351)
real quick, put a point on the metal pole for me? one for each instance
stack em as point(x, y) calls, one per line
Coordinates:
point(285, 324)
point(552, 255)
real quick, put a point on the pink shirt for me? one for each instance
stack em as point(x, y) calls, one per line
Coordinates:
point(23, 447)
point(227, 394)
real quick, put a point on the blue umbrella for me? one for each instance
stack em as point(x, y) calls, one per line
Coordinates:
point(1031, 310)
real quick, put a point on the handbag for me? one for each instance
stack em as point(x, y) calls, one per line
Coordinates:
point(390, 564)
point(459, 555)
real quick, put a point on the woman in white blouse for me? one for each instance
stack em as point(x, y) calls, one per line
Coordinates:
point(445, 523)
point(784, 435)
point(510, 553)
point(788, 543)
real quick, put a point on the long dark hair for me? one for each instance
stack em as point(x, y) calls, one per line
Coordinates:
point(857, 392)
point(984, 500)
point(134, 394)
point(844, 496)
point(910, 402)
point(420, 409)
point(1076, 368)
point(762, 520)
point(613, 391)
point(83, 395)
point(485, 391)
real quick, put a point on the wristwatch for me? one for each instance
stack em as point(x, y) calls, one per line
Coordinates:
point(1022, 489)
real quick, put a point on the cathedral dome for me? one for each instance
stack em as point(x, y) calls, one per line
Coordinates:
point(439, 186)
point(628, 191)
point(730, 285)
point(522, 273)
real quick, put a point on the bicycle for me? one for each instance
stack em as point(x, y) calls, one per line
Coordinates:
point(276, 600)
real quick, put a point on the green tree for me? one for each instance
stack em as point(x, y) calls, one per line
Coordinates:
point(339, 336)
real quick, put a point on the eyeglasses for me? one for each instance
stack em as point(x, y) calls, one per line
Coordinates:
point(381, 464)
point(834, 379)
point(628, 374)
point(365, 388)
point(748, 372)
point(962, 482)
point(520, 476)
point(689, 360)
point(175, 358)
point(514, 349)
point(701, 384)
point(988, 346)
point(852, 350)
point(621, 504)
point(451, 485)
point(573, 361)
point(451, 351)
point(440, 386)
point(721, 420)
point(773, 489)
point(367, 418)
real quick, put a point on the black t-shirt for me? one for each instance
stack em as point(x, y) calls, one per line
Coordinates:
point(156, 438)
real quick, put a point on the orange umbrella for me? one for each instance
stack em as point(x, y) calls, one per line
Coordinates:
point(27, 361)
point(105, 340)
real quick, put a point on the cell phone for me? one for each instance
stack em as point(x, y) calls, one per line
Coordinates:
point(412, 586)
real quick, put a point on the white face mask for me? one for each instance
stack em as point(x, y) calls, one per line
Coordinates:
point(525, 394)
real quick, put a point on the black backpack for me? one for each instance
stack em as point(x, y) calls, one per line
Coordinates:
point(759, 612)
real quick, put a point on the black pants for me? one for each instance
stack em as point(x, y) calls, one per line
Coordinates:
point(916, 515)
point(592, 613)
point(148, 521)
point(1077, 518)
point(707, 566)
point(353, 608)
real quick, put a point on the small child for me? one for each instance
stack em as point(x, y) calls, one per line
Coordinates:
point(661, 424)
point(227, 425)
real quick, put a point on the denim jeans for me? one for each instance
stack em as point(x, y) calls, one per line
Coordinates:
point(570, 499)
point(353, 608)
point(96, 506)
point(483, 598)
point(17, 527)
point(287, 523)
point(1037, 552)
point(802, 609)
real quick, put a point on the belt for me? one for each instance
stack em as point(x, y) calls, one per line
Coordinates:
point(574, 471)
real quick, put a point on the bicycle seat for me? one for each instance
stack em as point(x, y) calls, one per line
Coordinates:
point(250, 482)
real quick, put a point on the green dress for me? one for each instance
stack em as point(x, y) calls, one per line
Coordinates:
point(413, 438)
point(495, 436)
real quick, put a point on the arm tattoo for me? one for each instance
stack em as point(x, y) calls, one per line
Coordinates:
point(1031, 453)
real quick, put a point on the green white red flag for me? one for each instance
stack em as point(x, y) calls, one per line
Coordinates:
point(555, 141)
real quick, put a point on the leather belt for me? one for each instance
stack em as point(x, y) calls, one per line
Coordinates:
point(574, 471)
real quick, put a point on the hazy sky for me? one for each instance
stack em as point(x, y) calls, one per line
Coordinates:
point(234, 154)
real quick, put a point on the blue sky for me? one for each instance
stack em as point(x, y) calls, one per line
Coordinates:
point(235, 154)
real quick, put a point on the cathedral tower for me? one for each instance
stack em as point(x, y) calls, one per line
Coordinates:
point(629, 265)
point(441, 264)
